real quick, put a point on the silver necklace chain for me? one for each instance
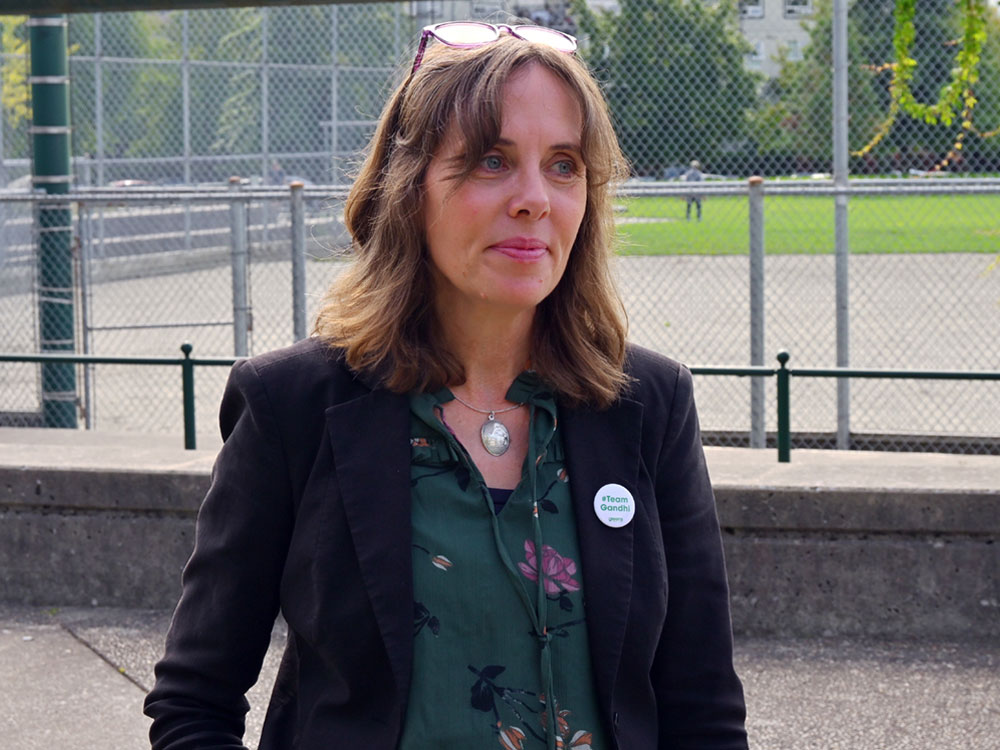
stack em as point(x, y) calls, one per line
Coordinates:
point(490, 412)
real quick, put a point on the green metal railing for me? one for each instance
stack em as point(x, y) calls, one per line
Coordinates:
point(186, 362)
point(784, 375)
point(782, 372)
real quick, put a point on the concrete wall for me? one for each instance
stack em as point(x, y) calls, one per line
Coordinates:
point(883, 563)
point(833, 543)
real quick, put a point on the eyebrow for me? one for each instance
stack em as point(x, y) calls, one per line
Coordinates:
point(555, 147)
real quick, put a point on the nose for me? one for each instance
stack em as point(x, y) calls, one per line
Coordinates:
point(530, 197)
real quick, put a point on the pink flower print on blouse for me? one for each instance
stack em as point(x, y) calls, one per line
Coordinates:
point(557, 571)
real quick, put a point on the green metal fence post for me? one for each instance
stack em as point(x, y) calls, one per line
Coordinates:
point(187, 383)
point(784, 409)
point(49, 79)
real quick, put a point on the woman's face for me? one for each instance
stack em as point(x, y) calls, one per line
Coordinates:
point(502, 237)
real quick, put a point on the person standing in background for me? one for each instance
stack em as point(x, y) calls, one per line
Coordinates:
point(694, 174)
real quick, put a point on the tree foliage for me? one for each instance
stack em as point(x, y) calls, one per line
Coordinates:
point(673, 71)
point(16, 100)
point(675, 79)
point(299, 106)
point(235, 62)
point(128, 91)
point(238, 129)
point(792, 126)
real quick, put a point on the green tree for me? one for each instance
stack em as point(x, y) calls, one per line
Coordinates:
point(159, 93)
point(301, 46)
point(16, 100)
point(139, 102)
point(238, 129)
point(793, 125)
point(675, 80)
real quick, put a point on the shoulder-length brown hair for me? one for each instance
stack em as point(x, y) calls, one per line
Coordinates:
point(381, 311)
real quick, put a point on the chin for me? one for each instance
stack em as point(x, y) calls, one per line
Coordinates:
point(521, 297)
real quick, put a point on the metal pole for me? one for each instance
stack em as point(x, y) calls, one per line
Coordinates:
point(265, 127)
point(298, 263)
point(86, 300)
point(334, 54)
point(396, 33)
point(86, 296)
point(49, 79)
point(238, 245)
point(186, 118)
point(784, 409)
point(265, 123)
point(186, 93)
point(99, 125)
point(187, 386)
point(842, 246)
point(758, 434)
point(99, 98)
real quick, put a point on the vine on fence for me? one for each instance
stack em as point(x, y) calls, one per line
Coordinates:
point(956, 95)
point(15, 95)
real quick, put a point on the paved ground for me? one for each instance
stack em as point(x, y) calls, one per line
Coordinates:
point(75, 678)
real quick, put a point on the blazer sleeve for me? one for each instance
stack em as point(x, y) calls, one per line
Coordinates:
point(699, 696)
point(221, 628)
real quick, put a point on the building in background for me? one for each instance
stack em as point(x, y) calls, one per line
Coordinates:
point(773, 26)
point(770, 26)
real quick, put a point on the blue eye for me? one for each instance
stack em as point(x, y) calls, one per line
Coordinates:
point(566, 167)
point(492, 162)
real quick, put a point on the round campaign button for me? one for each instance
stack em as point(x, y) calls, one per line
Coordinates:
point(614, 505)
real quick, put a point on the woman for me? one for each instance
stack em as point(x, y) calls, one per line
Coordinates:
point(485, 519)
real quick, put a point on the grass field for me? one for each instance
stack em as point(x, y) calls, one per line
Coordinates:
point(804, 225)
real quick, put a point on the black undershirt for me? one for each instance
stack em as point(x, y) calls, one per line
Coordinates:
point(500, 498)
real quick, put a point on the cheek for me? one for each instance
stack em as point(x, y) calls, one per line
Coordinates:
point(573, 213)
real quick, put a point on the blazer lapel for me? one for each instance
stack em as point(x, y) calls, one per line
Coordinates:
point(602, 448)
point(371, 452)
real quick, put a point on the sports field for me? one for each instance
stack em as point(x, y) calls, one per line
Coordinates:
point(796, 224)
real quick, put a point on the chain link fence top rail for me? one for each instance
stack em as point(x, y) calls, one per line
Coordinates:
point(167, 100)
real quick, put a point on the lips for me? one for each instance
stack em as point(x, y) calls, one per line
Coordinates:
point(523, 249)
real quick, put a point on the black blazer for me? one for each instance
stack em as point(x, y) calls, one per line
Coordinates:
point(308, 512)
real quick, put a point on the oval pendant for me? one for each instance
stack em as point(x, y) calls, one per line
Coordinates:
point(495, 437)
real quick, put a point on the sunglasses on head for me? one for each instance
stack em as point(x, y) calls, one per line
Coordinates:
point(470, 34)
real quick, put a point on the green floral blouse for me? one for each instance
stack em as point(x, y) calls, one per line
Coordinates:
point(493, 640)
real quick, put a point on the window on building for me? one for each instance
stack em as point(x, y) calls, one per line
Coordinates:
point(756, 57)
point(752, 8)
point(794, 49)
point(797, 8)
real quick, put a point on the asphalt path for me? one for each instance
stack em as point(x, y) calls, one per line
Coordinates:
point(76, 678)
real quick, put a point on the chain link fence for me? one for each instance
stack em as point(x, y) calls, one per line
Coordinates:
point(915, 302)
point(165, 101)
point(153, 270)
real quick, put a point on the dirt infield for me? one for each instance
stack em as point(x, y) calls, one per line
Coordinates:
point(907, 312)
